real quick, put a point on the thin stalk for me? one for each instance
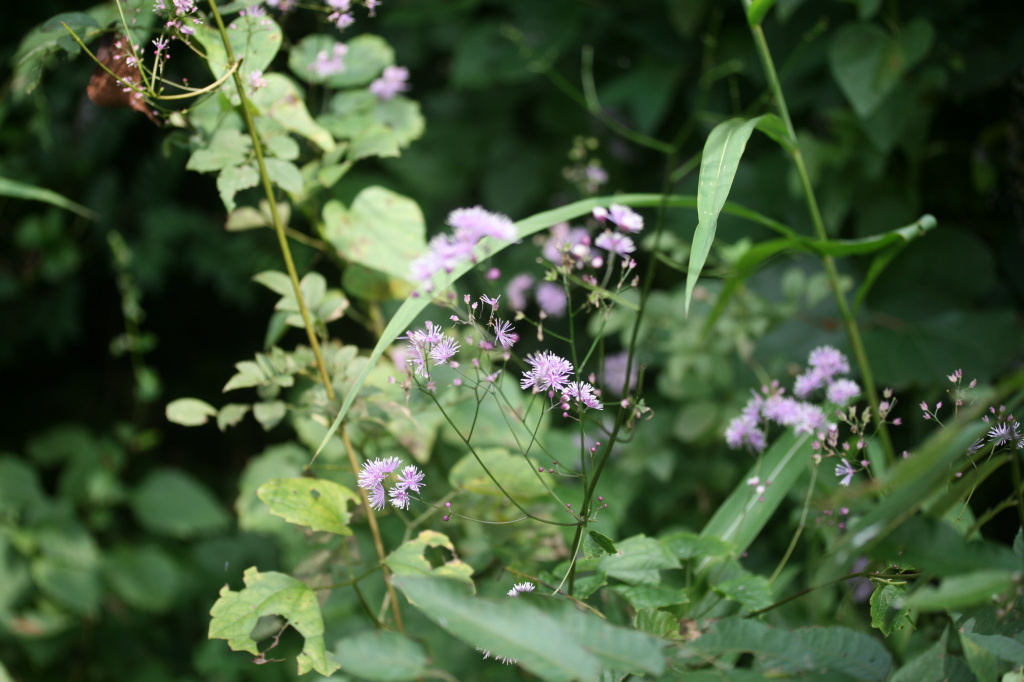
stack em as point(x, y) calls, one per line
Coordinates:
point(799, 529)
point(275, 216)
point(849, 321)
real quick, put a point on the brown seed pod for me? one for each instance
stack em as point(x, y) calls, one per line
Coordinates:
point(105, 90)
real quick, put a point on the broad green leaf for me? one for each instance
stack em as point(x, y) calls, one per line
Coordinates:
point(687, 546)
point(962, 591)
point(506, 627)
point(619, 649)
point(43, 42)
point(382, 230)
point(868, 63)
point(656, 622)
point(75, 586)
point(740, 519)
point(791, 653)
point(415, 304)
point(718, 166)
point(233, 180)
point(652, 596)
point(595, 545)
point(410, 559)
point(231, 414)
point(1003, 647)
point(228, 147)
point(888, 608)
point(316, 503)
point(382, 657)
point(255, 41)
point(22, 190)
point(234, 615)
point(284, 174)
point(934, 546)
point(279, 461)
point(189, 411)
point(752, 591)
point(639, 561)
point(144, 576)
point(19, 486)
point(282, 101)
point(170, 502)
point(516, 474)
point(269, 413)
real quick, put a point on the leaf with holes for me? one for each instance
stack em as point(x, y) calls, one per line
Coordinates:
point(315, 503)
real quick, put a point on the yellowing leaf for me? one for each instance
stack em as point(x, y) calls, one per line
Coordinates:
point(409, 560)
point(316, 503)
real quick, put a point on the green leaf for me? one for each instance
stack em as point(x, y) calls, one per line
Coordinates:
point(888, 610)
point(931, 665)
point(756, 11)
point(410, 559)
point(792, 653)
point(511, 628)
point(145, 577)
point(75, 586)
point(744, 514)
point(233, 180)
point(718, 166)
point(639, 561)
point(231, 414)
point(189, 411)
point(170, 502)
point(595, 545)
point(687, 546)
point(285, 175)
point(652, 596)
point(316, 503)
point(619, 649)
point(269, 413)
point(21, 190)
point(282, 101)
point(516, 473)
point(234, 615)
point(962, 591)
point(752, 591)
point(382, 657)
point(254, 40)
point(43, 42)
point(868, 63)
point(1003, 647)
point(414, 305)
point(382, 230)
point(657, 623)
point(228, 147)
point(19, 486)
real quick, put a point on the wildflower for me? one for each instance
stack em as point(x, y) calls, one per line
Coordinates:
point(842, 391)
point(615, 242)
point(519, 588)
point(582, 393)
point(828, 361)
point(444, 350)
point(846, 471)
point(372, 5)
point(516, 290)
point(552, 299)
point(184, 7)
point(614, 374)
point(503, 659)
point(1004, 431)
point(547, 372)
point(372, 478)
point(393, 81)
point(256, 80)
point(429, 343)
point(473, 224)
point(744, 431)
point(504, 333)
point(626, 218)
point(808, 382)
point(567, 243)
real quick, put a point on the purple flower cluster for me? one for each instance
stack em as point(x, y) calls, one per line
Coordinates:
point(373, 475)
point(393, 81)
point(470, 225)
point(772, 405)
point(550, 373)
point(429, 344)
point(627, 220)
point(330, 63)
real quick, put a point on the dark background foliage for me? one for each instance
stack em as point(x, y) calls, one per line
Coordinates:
point(948, 142)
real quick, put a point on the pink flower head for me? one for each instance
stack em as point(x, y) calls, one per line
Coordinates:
point(828, 361)
point(516, 290)
point(552, 299)
point(505, 334)
point(626, 218)
point(846, 471)
point(743, 431)
point(393, 81)
point(582, 393)
point(547, 372)
point(615, 242)
point(519, 588)
point(842, 391)
point(473, 224)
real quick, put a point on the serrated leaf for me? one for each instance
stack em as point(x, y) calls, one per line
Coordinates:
point(619, 649)
point(510, 628)
point(931, 665)
point(315, 503)
point(639, 561)
point(45, 40)
point(234, 615)
point(189, 411)
point(409, 559)
point(255, 41)
point(595, 545)
point(655, 622)
point(887, 608)
point(228, 147)
point(752, 591)
point(382, 657)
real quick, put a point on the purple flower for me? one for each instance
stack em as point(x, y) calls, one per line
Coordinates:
point(614, 374)
point(411, 478)
point(846, 471)
point(399, 497)
point(582, 393)
point(516, 290)
point(547, 372)
point(573, 242)
point(552, 299)
point(828, 361)
point(780, 409)
point(473, 224)
point(808, 382)
point(808, 419)
point(429, 343)
point(842, 391)
point(626, 218)
point(373, 475)
point(615, 242)
point(444, 350)
point(505, 334)
point(393, 81)
point(744, 431)
point(330, 63)
point(1003, 432)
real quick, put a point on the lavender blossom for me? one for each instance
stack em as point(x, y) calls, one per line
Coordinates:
point(552, 299)
point(547, 372)
point(393, 81)
point(581, 392)
point(615, 242)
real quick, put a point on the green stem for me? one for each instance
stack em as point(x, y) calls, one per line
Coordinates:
point(268, 190)
point(849, 321)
